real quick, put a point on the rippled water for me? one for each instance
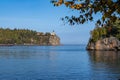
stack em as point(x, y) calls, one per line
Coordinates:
point(68, 62)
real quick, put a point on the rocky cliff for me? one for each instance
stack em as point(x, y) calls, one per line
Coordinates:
point(110, 43)
point(49, 39)
point(27, 37)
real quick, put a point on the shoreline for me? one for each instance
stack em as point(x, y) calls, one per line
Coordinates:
point(26, 45)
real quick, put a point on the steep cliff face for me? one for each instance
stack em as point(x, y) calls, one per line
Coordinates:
point(49, 39)
point(110, 43)
point(54, 40)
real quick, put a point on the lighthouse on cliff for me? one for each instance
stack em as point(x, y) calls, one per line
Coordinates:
point(53, 33)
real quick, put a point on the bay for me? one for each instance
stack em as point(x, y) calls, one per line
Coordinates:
point(65, 62)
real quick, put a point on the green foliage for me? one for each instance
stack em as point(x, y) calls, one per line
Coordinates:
point(18, 36)
point(106, 31)
point(95, 35)
point(98, 33)
point(116, 25)
point(110, 10)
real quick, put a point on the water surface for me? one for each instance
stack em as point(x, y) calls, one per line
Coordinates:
point(67, 62)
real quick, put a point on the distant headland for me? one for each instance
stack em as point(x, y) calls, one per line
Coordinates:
point(10, 37)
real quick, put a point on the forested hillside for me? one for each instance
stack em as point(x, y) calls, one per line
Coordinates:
point(18, 36)
point(27, 37)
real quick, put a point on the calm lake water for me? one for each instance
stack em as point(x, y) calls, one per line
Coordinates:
point(68, 62)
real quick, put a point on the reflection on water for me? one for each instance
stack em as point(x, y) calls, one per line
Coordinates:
point(69, 62)
point(105, 64)
point(26, 52)
point(43, 63)
point(107, 57)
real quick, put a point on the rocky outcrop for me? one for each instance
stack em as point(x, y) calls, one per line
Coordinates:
point(49, 39)
point(54, 40)
point(110, 43)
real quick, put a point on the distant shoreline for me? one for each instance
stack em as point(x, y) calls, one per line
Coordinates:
point(25, 45)
point(10, 37)
point(7, 44)
point(38, 45)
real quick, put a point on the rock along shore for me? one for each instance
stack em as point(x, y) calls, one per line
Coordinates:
point(110, 43)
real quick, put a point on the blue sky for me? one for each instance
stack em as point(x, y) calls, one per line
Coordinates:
point(42, 16)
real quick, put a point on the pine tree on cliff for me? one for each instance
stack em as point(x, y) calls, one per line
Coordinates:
point(106, 31)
